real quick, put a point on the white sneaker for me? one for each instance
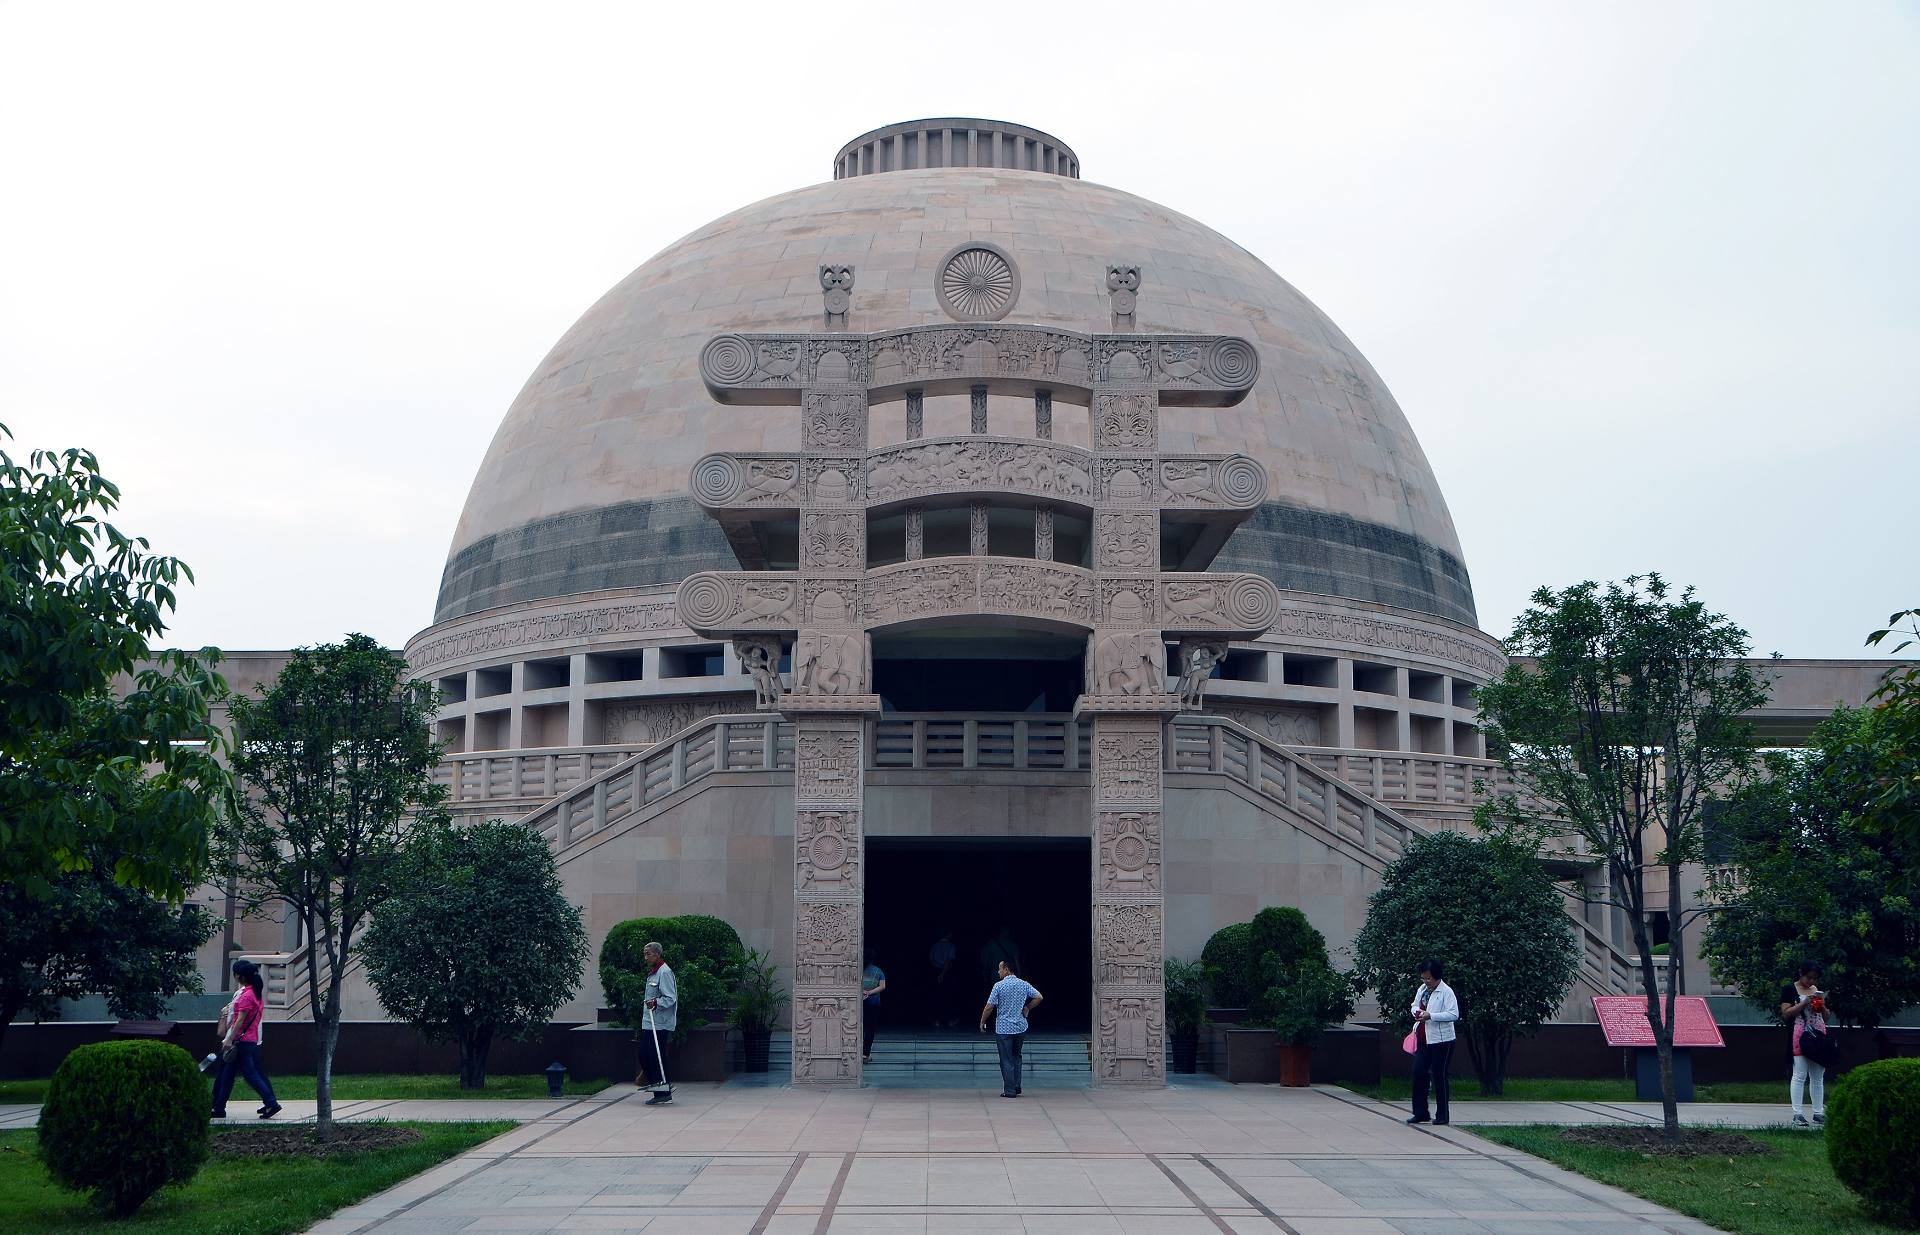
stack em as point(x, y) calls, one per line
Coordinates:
point(1800, 1121)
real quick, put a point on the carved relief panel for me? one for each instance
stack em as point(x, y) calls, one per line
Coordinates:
point(827, 848)
point(1129, 856)
point(826, 1039)
point(1127, 540)
point(826, 943)
point(1127, 943)
point(827, 764)
point(1126, 760)
point(1130, 1042)
point(1127, 421)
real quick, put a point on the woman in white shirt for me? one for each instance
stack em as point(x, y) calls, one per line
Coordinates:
point(1434, 1011)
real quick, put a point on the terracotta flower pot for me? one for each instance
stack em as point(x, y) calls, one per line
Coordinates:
point(1296, 1065)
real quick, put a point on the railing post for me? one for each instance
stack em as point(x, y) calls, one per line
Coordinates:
point(552, 785)
point(969, 743)
point(770, 744)
point(515, 767)
point(722, 753)
point(486, 776)
point(677, 763)
point(1366, 824)
point(1216, 750)
point(1070, 742)
point(564, 823)
point(919, 744)
point(1255, 773)
point(1293, 786)
point(599, 805)
point(1019, 743)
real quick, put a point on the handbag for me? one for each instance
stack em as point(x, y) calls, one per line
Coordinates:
point(1411, 1043)
point(1818, 1046)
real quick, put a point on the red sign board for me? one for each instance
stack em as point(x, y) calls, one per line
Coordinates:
point(1623, 1018)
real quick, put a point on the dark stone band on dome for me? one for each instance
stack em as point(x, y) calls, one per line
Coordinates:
point(653, 543)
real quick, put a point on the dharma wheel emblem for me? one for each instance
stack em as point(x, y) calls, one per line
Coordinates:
point(978, 283)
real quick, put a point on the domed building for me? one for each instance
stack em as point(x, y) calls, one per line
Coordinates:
point(960, 546)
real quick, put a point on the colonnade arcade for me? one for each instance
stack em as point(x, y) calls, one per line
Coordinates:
point(1125, 604)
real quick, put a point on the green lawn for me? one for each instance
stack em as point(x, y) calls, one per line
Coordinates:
point(1789, 1192)
point(353, 1088)
point(1564, 1089)
point(230, 1196)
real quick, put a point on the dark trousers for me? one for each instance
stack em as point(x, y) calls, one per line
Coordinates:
point(1009, 1044)
point(1431, 1062)
point(869, 1021)
point(243, 1060)
point(653, 1070)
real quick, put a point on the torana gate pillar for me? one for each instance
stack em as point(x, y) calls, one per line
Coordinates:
point(1127, 602)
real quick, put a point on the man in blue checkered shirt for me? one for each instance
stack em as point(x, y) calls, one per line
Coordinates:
point(1009, 1003)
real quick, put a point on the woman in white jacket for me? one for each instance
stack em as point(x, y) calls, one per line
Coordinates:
point(1434, 1011)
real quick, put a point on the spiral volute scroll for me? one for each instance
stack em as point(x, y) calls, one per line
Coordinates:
point(1232, 363)
point(705, 601)
point(1242, 481)
point(716, 480)
point(1252, 604)
point(727, 360)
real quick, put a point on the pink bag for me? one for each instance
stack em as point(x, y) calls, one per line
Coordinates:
point(1411, 1043)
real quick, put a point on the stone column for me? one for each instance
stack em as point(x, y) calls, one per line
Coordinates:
point(832, 678)
point(1126, 698)
point(1129, 904)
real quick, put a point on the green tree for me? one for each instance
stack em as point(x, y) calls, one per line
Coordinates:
point(1626, 723)
point(81, 771)
point(1894, 807)
point(1806, 876)
point(476, 939)
point(94, 935)
point(1292, 985)
point(334, 768)
point(1492, 915)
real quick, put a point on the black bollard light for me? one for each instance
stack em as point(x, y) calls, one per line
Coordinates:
point(556, 1078)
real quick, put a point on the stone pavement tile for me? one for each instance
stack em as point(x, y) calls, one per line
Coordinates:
point(1071, 1224)
point(1178, 1224)
point(1342, 1226)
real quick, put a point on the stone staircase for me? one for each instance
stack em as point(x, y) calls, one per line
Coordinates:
point(949, 1059)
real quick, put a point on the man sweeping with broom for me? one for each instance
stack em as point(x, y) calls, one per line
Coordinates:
point(656, 1040)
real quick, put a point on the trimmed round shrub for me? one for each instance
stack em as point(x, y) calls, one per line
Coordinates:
point(705, 954)
point(123, 1120)
point(1225, 958)
point(1873, 1137)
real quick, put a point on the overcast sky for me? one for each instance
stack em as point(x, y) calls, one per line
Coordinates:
point(1645, 279)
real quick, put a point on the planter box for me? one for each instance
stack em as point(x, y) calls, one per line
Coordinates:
point(613, 1052)
point(1252, 1056)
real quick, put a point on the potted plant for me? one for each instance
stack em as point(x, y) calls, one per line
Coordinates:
point(1186, 1011)
point(1298, 1008)
point(756, 1007)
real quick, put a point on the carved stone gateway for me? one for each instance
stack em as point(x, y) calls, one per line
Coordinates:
point(1125, 605)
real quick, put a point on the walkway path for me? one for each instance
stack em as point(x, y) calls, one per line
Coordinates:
point(740, 1160)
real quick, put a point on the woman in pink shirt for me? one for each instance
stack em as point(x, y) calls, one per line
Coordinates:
point(240, 1044)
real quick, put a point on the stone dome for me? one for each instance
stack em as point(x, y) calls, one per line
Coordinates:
point(584, 487)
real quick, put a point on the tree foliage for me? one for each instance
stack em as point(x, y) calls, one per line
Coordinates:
point(334, 767)
point(81, 771)
point(1629, 719)
point(706, 955)
point(1808, 877)
point(93, 934)
point(1293, 987)
point(1894, 807)
point(1488, 911)
point(476, 939)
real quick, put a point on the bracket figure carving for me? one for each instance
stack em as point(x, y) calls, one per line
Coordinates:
point(1198, 657)
point(760, 656)
point(1123, 289)
point(836, 283)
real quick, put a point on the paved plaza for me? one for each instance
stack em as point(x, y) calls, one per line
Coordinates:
point(743, 1160)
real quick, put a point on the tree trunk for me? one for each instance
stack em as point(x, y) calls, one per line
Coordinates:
point(329, 1022)
point(474, 1045)
point(1498, 1049)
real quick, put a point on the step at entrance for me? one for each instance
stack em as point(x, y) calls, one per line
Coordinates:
point(930, 1058)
